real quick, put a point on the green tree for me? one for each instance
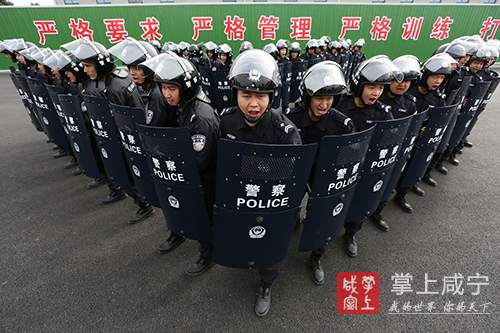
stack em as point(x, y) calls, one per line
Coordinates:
point(6, 3)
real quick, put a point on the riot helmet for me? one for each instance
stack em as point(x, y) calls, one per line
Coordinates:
point(28, 54)
point(323, 79)
point(312, 44)
point(470, 47)
point(171, 69)
point(272, 50)
point(95, 53)
point(282, 44)
point(376, 70)
point(212, 47)
point(183, 46)
point(132, 52)
point(156, 44)
point(455, 50)
point(409, 65)
point(255, 71)
point(192, 51)
point(226, 49)
point(321, 44)
point(438, 64)
point(166, 46)
point(245, 46)
point(295, 47)
point(67, 62)
point(482, 53)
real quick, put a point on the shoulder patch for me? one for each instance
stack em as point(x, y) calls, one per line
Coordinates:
point(284, 126)
point(411, 97)
point(199, 141)
point(342, 117)
point(120, 73)
point(149, 116)
point(384, 107)
point(131, 87)
point(291, 110)
point(227, 110)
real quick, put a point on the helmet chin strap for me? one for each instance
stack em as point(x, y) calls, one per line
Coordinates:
point(253, 120)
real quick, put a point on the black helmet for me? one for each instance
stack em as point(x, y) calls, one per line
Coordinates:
point(494, 51)
point(376, 70)
point(335, 45)
point(272, 50)
point(95, 53)
point(169, 68)
point(193, 51)
point(441, 48)
point(323, 79)
point(282, 44)
point(212, 47)
point(312, 44)
point(409, 65)
point(470, 47)
point(360, 43)
point(255, 71)
point(438, 64)
point(17, 44)
point(321, 43)
point(455, 50)
point(294, 47)
point(166, 46)
point(67, 62)
point(226, 49)
point(28, 54)
point(132, 52)
point(183, 46)
point(156, 44)
point(482, 53)
point(245, 46)
point(326, 39)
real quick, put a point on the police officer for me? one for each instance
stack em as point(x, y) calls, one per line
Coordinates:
point(272, 50)
point(402, 104)
point(226, 58)
point(132, 53)
point(254, 77)
point(119, 89)
point(311, 47)
point(294, 51)
point(181, 88)
point(212, 53)
point(245, 46)
point(316, 117)
point(282, 46)
point(433, 72)
point(363, 107)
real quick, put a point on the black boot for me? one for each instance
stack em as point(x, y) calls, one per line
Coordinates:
point(318, 274)
point(400, 200)
point(263, 303)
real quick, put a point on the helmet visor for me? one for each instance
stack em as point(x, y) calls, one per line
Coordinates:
point(165, 66)
point(324, 79)
point(255, 64)
point(128, 51)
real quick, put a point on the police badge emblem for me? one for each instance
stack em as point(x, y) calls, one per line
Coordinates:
point(149, 117)
point(254, 75)
point(198, 142)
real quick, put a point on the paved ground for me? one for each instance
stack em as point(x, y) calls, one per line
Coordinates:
point(71, 264)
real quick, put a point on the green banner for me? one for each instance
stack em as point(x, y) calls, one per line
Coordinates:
point(393, 30)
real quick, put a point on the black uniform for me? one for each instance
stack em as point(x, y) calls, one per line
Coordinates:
point(304, 56)
point(205, 60)
point(433, 99)
point(122, 90)
point(401, 106)
point(158, 112)
point(203, 122)
point(219, 65)
point(332, 123)
point(273, 128)
point(363, 119)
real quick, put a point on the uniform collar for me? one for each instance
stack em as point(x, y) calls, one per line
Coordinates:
point(307, 122)
point(259, 128)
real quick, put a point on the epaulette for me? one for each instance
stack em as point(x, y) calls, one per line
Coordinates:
point(441, 94)
point(284, 126)
point(131, 87)
point(226, 111)
point(121, 73)
point(337, 115)
point(384, 107)
point(291, 110)
point(411, 97)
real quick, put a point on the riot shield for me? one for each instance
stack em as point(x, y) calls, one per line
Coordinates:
point(340, 160)
point(494, 83)
point(208, 85)
point(451, 97)
point(380, 159)
point(53, 93)
point(126, 119)
point(427, 145)
point(286, 80)
point(43, 102)
point(79, 135)
point(468, 112)
point(23, 83)
point(458, 98)
point(172, 164)
point(278, 91)
point(26, 102)
point(108, 144)
point(222, 89)
point(404, 153)
point(258, 194)
point(298, 70)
